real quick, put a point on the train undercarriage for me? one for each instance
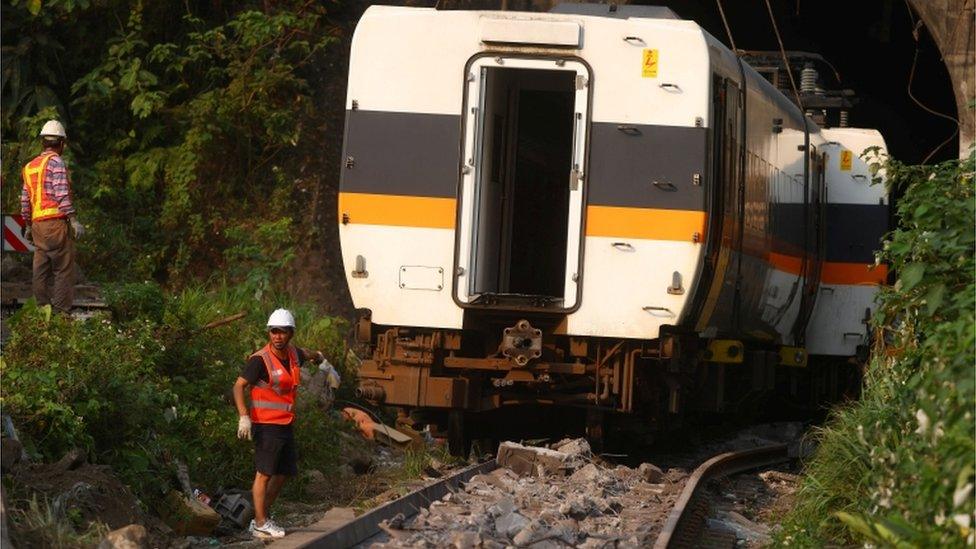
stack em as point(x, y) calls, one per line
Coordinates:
point(495, 380)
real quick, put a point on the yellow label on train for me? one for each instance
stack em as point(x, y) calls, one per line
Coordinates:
point(846, 160)
point(649, 66)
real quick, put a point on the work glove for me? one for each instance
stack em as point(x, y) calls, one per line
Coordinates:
point(331, 375)
point(27, 233)
point(244, 428)
point(77, 229)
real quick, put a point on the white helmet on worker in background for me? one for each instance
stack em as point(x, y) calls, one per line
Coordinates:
point(281, 318)
point(53, 128)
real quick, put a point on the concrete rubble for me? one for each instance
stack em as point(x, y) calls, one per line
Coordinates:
point(544, 498)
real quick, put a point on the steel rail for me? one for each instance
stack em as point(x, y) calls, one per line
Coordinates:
point(363, 527)
point(680, 527)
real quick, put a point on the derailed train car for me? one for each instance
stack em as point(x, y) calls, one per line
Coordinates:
point(600, 209)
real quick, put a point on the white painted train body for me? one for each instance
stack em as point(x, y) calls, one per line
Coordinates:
point(593, 208)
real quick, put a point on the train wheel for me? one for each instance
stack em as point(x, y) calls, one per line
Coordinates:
point(458, 437)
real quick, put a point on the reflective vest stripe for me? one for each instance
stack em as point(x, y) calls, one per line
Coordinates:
point(273, 375)
point(271, 405)
point(42, 206)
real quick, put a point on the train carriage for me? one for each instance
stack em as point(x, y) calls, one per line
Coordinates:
point(599, 207)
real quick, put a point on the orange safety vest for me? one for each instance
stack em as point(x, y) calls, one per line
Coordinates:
point(273, 401)
point(42, 205)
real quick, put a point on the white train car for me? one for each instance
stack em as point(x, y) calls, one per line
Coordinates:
point(598, 207)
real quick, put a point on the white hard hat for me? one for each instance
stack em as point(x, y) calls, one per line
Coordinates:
point(53, 128)
point(281, 318)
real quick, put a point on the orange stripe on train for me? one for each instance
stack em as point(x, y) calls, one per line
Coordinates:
point(835, 272)
point(646, 223)
point(398, 210)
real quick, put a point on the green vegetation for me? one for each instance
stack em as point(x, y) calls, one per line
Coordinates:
point(897, 468)
point(146, 392)
point(39, 526)
point(193, 141)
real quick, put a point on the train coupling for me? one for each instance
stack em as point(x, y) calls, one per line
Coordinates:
point(521, 343)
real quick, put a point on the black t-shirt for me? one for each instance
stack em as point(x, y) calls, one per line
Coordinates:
point(254, 370)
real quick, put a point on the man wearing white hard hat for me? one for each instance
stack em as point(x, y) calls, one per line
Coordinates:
point(273, 374)
point(50, 220)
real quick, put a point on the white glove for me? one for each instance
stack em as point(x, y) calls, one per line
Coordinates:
point(331, 375)
point(77, 229)
point(244, 428)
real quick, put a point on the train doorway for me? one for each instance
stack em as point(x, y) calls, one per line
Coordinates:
point(521, 204)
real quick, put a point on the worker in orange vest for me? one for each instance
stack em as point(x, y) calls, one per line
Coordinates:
point(50, 220)
point(273, 373)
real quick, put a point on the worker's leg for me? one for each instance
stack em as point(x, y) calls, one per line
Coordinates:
point(286, 464)
point(260, 490)
point(40, 277)
point(51, 239)
point(63, 266)
point(274, 488)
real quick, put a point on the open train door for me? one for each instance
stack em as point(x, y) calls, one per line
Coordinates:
point(522, 183)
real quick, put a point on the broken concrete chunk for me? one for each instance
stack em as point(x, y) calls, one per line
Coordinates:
point(132, 536)
point(466, 540)
point(502, 507)
point(531, 460)
point(510, 524)
point(650, 473)
point(589, 473)
point(577, 447)
point(187, 516)
point(531, 533)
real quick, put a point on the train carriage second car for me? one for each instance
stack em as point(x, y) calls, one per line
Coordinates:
point(603, 210)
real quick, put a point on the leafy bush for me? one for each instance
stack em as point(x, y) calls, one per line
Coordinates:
point(190, 126)
point(897, 468)
point(135, 300)
point(153, 388)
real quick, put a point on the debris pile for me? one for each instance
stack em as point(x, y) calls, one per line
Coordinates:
point(545, 497)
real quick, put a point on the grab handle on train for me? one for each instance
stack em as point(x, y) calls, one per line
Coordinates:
point(653, 309)
point(665, 186)
point(635, 40)
point(623, 246)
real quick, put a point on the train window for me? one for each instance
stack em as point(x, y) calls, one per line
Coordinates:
point(522, 191)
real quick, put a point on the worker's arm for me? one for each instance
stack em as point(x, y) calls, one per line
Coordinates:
point(239, 387)
point(243, 418)
point(309, 354)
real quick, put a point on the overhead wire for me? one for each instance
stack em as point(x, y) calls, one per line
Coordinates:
point(728, 30)
point(916, 25)
point(786, 60)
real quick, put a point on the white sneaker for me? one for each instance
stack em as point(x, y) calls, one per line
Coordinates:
point(267, 530)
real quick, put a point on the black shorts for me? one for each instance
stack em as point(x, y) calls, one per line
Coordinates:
point(274, 449)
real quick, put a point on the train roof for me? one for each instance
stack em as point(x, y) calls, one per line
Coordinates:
point(615, 11)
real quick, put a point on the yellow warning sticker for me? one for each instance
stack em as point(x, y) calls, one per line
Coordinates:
point(846, 160)
point(649, 66)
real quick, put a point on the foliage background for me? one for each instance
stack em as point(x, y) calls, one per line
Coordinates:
point(202, 135)
point(896, 468)
point(203, 155)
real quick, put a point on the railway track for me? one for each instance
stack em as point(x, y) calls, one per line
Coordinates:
point(685, 524)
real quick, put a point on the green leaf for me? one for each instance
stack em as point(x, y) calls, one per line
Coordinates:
point(34, 6)
point(933, 299)
point(911, 275)
point(856, 524)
